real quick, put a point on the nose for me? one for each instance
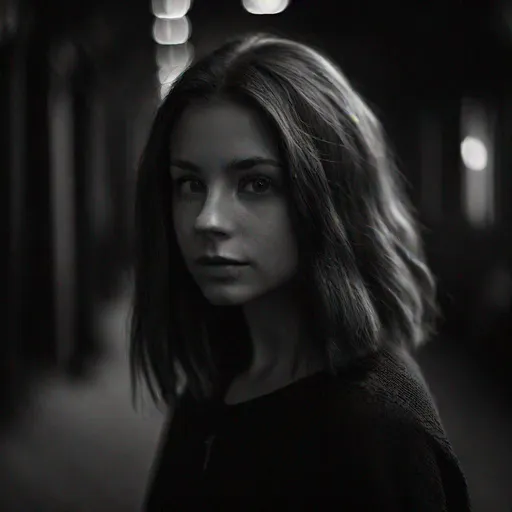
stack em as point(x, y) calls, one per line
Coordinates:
point(216, 215)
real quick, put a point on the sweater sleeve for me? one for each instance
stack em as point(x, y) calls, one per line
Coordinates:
point(393, 464)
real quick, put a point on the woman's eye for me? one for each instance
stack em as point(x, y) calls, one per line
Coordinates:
point(194, 186)
point(258, 185)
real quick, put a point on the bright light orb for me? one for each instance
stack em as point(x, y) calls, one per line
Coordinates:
point(474, 154)
point(170, 9)
point(170, 55)
point(265, 6)
point(174, 31)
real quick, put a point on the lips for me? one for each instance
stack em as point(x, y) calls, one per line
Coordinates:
point(219, 269)
point(219, 261)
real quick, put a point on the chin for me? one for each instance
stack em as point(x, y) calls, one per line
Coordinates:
point(227, 296)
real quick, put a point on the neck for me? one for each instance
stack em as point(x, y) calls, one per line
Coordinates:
point(280, 337)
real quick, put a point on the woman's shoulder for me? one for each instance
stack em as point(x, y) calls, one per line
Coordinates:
point(383, 418)
point(385, 389)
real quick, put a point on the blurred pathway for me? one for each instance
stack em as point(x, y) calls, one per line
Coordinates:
point(82, 447)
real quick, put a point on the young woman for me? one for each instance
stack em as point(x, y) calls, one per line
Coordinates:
point(280, 290)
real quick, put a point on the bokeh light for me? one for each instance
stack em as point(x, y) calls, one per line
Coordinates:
point(170, 9)
point(169, 55)
point(474, 154)
point(171, 31)
point(265, 6)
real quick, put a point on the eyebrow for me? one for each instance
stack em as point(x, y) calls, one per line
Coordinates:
point(237, 164)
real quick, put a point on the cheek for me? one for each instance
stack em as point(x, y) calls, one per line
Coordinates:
point(183, 216)
point(281, 250)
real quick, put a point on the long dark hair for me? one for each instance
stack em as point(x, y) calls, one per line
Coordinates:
point(363, 265)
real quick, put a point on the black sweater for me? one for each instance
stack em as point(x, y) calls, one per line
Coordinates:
point(371, 438)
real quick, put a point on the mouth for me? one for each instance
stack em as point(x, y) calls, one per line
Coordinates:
point(219, 261)
point(219, 268)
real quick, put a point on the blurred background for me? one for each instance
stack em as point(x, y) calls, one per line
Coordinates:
point(79, 85)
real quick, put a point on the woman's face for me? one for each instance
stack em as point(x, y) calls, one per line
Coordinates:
point(229, 200)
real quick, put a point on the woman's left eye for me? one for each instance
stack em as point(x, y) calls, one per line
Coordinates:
point(259, 185)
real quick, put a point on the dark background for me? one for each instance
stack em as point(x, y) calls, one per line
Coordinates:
point(78, 89)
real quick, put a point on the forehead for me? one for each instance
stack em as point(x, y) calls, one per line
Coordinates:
point(220, 132)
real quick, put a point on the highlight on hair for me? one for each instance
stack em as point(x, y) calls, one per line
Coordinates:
point(363, 266)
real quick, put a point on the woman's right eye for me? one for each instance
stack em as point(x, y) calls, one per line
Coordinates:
point(194, 186)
